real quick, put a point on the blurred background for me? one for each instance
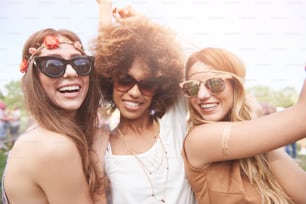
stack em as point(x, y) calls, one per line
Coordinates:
point(269, 36)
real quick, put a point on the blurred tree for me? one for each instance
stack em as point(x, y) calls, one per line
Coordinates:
point(14, 96)
point(283, 98)
point(1, 95)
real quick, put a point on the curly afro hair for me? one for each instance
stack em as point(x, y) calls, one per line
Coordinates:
point(117, 47)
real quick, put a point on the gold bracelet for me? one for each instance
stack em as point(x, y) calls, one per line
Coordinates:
point(224, 140)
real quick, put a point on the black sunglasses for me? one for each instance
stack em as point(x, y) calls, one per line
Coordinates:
point(126, 82)
point(55, 66)
point(214, 85)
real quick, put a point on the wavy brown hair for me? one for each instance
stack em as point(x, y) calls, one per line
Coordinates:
point(80, 128)
point(256, 168)
point(154, 45)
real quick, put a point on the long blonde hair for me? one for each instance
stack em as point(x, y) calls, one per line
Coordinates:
point(256, 168)
point(80, 128)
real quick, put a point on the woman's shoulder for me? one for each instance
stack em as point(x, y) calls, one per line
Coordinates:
point(42, 158)
point(41, 144)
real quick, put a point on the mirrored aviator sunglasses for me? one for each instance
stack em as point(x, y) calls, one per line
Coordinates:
point(55, 67)
point(213, 85)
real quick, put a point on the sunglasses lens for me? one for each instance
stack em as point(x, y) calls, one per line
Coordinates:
point(147, 87)
point(191, 88)
point(125, 83)
point(215, 85)
point(82, 65)
point(52, 67)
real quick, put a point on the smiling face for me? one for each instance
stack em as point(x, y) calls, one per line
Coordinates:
point(134, 103)
point(211, 106)
point(68, 91)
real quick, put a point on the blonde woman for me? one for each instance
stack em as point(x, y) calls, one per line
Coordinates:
point(235, 162)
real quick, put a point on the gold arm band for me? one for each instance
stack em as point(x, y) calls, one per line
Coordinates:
point(224, 140)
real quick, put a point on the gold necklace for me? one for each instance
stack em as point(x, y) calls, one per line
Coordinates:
point(146, 171)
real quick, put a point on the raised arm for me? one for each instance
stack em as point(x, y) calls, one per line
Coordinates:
point(233, 140)
point(105, 13)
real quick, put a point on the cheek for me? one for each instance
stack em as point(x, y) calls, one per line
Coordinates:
point(149, 99)
point(116, 96)
point(45, 82)
point(228, 94)
point(86, 83)
point(193, 101)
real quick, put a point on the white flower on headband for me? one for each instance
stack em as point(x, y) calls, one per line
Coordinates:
point(78, 45)
point(33, 51)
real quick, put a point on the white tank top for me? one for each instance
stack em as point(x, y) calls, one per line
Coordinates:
point(131, 183)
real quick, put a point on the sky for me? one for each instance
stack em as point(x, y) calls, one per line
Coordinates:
point(268, 35)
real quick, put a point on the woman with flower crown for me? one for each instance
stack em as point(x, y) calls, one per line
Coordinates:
point(56, 160)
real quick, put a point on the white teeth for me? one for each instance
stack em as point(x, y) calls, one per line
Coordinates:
point(132, 104)
point(209, 105)
point(70, 88)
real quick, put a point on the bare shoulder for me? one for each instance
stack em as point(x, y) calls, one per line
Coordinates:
point(205, 134)
point(43, 145)
point(34, 157)
point(204, 140)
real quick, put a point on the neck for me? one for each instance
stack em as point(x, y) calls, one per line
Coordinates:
point(137, 139)
point(135, 126)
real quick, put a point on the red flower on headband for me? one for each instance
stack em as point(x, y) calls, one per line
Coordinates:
point(23, 66)
point(51, 42)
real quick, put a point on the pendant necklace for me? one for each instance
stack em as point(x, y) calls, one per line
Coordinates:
point(146, 170)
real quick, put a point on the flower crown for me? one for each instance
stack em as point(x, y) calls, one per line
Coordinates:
point(50, 42)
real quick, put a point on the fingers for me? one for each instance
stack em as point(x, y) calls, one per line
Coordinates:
point(123, 13)
point(126, 12)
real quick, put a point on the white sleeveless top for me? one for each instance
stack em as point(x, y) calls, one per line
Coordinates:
point(130, 179)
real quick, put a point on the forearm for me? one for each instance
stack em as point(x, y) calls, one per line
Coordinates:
point(105, 14)
point(294, 184)
point(100, 194)
point(99, 149)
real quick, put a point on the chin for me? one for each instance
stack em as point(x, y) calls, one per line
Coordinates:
point(213, 118)
point(71, 107)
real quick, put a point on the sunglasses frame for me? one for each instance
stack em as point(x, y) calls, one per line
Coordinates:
point(65, 62)
point(141, 84)
point(218, 75)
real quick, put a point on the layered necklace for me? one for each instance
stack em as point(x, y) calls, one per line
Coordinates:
point(149, 172)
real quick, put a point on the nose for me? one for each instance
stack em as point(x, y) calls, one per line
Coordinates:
point(135, 91)
point(203, 92)
point(70, 72)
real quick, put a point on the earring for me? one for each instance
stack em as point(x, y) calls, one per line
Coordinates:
point(152, 112)
point(113, 105)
